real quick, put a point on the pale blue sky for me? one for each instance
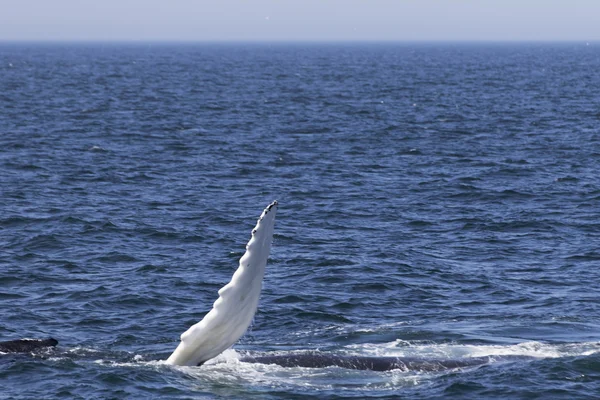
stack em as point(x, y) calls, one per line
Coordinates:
point(306, 20)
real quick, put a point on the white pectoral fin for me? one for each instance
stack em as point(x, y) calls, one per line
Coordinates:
point(233, 311)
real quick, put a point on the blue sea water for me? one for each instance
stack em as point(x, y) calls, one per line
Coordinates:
point(436, 200)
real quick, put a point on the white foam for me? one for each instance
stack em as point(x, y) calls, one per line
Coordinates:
point(132, 364)
point(402, 348)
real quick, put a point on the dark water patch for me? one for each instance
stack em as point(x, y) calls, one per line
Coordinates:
point(567, 179)
point(114, 257)
point(97, 226)
point(150, 268)
point(588, 256)
point(321, 316)
point(10, 296)
point(377, 287)
point(290, 299)
point(20, 221)
point(43, 242)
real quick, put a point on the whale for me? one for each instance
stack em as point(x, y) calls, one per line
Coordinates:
point(234, 310)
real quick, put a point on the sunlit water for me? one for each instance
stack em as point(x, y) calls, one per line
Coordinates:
point(436, 201)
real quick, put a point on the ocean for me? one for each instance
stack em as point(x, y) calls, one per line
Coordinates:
point(436, 200)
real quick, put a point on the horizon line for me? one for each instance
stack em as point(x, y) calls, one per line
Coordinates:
point(294, 41)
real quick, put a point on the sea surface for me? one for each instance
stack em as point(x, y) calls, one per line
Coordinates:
point(436, 201)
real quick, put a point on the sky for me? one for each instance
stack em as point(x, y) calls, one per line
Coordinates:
point(300, 20)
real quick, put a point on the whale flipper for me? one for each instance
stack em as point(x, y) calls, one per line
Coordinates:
point(234, 309)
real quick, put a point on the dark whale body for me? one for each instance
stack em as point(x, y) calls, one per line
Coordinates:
point(311, 359)
point(26, 345)
point(322, 360)
point(319, 360)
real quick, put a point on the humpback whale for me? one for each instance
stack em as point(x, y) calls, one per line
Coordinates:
point(233, 311)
